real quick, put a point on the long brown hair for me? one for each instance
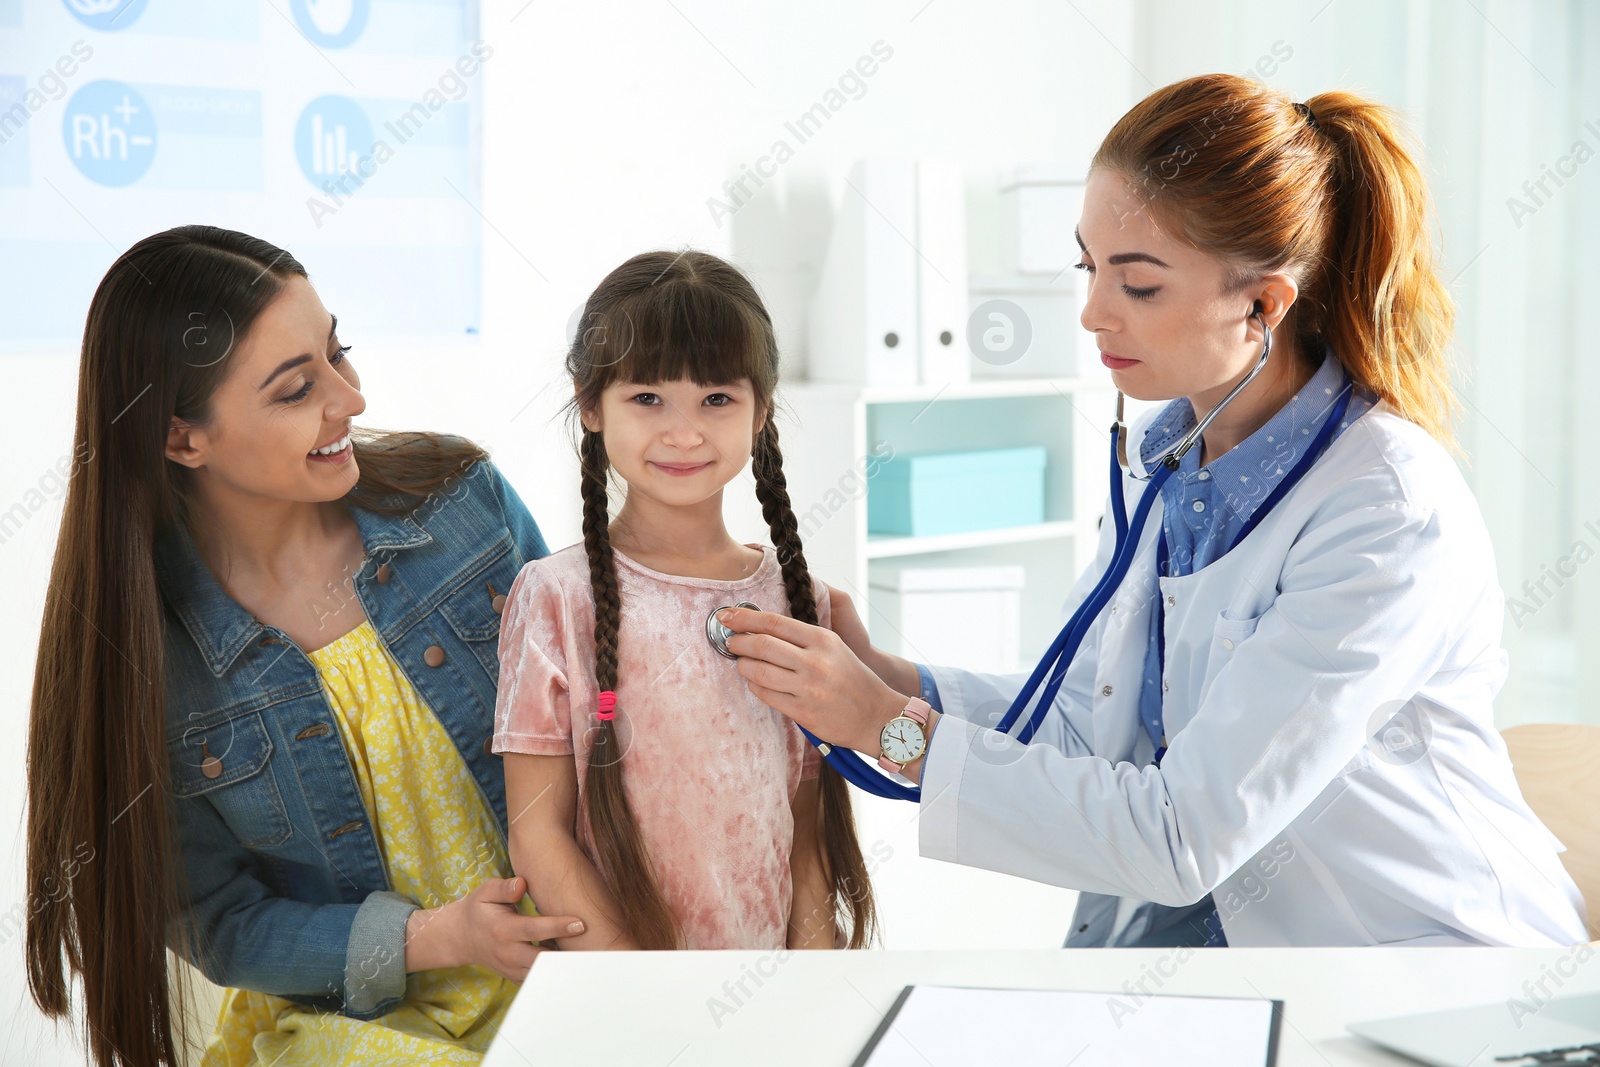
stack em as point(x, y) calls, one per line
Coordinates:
point(1325, 190)
point(104, 888)
point(661, 317)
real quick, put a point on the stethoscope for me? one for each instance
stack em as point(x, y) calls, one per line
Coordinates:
point(865, 775)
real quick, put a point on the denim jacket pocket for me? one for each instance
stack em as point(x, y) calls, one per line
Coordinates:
point(473, 611)
point(227, 763)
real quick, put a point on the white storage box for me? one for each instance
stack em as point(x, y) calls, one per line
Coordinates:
point(964, 617)
point(1022, 326)
point(1042, 205)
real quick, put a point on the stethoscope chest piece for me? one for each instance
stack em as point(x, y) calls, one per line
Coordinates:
point(718, 634)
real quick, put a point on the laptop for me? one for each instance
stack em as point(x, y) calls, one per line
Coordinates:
point(1565, 1030)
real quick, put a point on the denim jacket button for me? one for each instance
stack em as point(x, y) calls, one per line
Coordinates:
point(498, 603)
point(384, 573)
point(433, 656)
point(488, 745)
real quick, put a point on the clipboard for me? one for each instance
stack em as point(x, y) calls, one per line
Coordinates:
point(961, 1026)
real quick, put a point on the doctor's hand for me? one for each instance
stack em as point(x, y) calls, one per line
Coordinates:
point(900, 674)
point(811, 675)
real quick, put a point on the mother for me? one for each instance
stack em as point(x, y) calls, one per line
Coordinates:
point(265, 688)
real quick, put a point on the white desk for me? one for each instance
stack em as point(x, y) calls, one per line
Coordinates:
point(655, 1009)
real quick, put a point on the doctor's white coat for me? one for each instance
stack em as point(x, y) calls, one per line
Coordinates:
point(1333, 777)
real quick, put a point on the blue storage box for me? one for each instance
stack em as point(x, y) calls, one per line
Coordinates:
point(957, 492)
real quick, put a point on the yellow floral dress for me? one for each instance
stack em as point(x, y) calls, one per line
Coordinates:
point(439, 841)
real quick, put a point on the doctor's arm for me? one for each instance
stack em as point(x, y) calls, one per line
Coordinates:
point(981, 697)
point(897, 672)
point(1365, 600)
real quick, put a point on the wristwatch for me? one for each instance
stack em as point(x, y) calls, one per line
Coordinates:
point(903, 738)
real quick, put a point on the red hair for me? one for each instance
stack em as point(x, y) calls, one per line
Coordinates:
point(1325, 191)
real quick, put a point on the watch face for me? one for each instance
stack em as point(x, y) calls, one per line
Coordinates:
point(902, 739)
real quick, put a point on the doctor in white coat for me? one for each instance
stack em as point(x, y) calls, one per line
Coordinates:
point(1280, 729)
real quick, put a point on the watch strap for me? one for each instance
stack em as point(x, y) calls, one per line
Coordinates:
point(916, 710)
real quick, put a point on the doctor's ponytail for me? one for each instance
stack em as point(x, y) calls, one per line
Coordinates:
point(1325, 190)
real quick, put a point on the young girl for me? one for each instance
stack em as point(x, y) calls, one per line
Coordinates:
point(648, 791)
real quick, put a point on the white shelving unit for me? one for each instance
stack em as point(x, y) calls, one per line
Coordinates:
point(842, 426)
point(829, 431)
point(880, 546)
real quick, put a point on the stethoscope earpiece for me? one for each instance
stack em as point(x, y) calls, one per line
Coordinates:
point(718, 634)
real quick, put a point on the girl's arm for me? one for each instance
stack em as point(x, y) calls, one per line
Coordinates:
point(811, 918)
point(542, 804)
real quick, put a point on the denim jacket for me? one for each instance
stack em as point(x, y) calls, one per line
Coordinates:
point(288, 890)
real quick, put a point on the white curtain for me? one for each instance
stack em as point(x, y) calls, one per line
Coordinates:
point(1504, 96)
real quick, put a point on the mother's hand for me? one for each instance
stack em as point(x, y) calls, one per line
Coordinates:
point(809, 674)
point(485, 928)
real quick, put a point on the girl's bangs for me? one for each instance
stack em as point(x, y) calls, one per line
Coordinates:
point(675, 331)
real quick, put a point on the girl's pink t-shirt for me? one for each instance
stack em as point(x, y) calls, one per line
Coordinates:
point(708, 769)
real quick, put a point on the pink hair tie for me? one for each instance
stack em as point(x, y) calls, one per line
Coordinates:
point(608, 706)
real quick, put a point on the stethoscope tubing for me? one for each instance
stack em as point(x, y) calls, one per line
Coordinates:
point(1077, 628)
point(853, 767)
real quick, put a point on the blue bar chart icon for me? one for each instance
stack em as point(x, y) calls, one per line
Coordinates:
point(333, 141)
point(330, 152)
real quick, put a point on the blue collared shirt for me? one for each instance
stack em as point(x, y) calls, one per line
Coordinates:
point(1204, 508)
